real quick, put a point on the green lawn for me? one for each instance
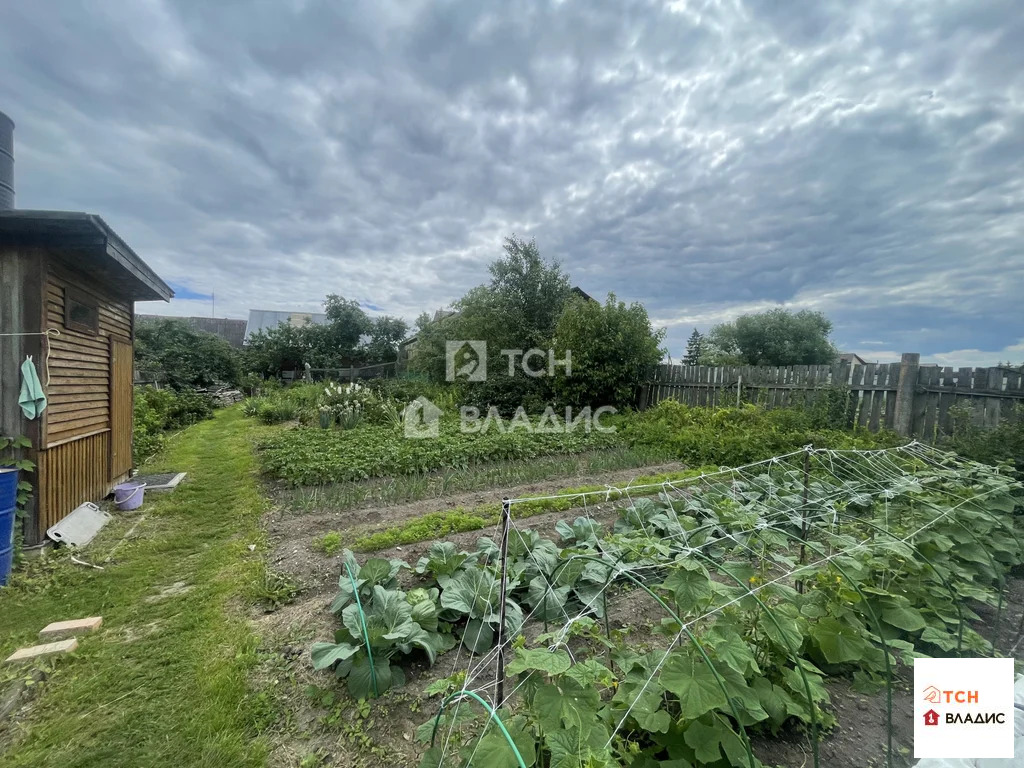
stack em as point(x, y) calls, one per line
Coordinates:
point(164, 681)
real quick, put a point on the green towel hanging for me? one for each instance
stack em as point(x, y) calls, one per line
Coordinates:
point(32, 399)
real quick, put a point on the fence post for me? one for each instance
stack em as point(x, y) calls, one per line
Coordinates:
point(904, 420)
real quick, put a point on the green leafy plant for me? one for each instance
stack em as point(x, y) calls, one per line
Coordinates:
point(362, 579)
point(330, 543)
point(391, 623)
point(442, 562)
point(903, 554)
point(475, 593)
point(10, 456)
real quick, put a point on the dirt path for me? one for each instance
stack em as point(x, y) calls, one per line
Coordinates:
point(292, 536)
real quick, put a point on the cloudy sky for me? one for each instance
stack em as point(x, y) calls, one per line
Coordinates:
point(706, 158)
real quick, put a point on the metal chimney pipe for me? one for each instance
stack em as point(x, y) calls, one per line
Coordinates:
point(6, 163)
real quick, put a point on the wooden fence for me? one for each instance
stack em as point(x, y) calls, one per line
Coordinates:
point(378, 371)
point(913, 399)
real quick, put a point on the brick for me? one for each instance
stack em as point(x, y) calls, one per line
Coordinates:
point(30, 654)
point(58, 630)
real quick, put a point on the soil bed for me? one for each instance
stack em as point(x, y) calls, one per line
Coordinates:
point(292, 536)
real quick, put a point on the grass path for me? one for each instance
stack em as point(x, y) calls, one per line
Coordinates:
point(164, 682)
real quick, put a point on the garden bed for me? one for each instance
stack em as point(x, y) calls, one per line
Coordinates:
point(295, 538)
point(842, 642)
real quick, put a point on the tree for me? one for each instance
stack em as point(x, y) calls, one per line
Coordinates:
point(284, 348)
point(385, 334)
point(348, 338)
point(347, 323)
point(182, 357)
point(775, 337)
point(694, 347)
point(518, 309)
point(611, 347)
point(527, 293)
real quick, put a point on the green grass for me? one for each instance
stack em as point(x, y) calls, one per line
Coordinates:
point(164, 682)
point(436, 525)
point(405, 488)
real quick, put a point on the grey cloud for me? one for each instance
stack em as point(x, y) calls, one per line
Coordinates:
point(705, 158)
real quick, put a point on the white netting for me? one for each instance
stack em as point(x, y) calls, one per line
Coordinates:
point(799, 513)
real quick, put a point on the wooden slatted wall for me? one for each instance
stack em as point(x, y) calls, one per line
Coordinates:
point(79, 363)
point(71, 473)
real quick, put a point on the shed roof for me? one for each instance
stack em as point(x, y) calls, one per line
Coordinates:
point(101, 249)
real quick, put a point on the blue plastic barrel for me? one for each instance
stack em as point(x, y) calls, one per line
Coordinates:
point(8, 501)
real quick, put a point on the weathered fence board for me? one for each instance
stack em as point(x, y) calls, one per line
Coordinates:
point(931, 398)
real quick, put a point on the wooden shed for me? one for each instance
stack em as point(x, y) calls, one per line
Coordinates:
point(68, 285)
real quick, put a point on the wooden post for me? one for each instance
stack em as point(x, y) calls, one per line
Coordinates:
point(506, 519)
point(905, 392)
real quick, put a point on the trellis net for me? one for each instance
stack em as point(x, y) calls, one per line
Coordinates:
point(712, 611)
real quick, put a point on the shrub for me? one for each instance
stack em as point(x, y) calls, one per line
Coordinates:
point(1004, 443)
point(158, 410)
point(277, 411)
point(736, 436)
point(183, 357)
point(506, 393)
point(612, 347)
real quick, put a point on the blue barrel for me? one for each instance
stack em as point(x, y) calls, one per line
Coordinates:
point(8, 501)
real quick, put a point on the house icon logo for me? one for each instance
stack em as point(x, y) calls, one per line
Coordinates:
point(465, 360)
point(421, 419)
point(931, 717)
point(932, 695)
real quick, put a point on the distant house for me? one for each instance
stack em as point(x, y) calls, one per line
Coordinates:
point(265, 319)
point(232, 331)
point(577, 291)
point(852, 357)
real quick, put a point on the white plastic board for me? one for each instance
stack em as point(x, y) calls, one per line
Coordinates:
point(80, 527)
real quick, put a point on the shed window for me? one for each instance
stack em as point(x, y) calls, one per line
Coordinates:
point(81, 312)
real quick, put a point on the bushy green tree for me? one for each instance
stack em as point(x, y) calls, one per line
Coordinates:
point(612, 348)
point(348, 338)
point(775, 337)
point(284, 348)
point(182, 357)
point(385, 334)
point(518, 309)
point(346, 324)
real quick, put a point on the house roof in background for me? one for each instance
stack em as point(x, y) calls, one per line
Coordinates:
point(265, 319)
point(103, 251)
point(229, 329)
point(852, 357)
point(582, 294)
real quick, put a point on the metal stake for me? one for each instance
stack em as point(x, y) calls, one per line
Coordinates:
point(803, 515)
point(506, 520)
